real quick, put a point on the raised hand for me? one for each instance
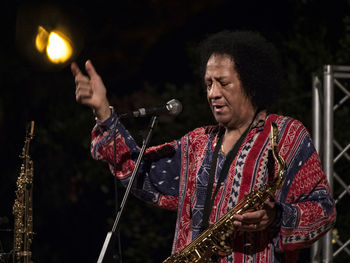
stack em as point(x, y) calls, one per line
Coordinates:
point(91, 91)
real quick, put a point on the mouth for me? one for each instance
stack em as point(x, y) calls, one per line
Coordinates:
point(218, 108)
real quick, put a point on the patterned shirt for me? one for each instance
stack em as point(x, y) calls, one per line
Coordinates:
point(175, 176)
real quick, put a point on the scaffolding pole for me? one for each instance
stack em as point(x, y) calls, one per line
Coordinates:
point(324, 106)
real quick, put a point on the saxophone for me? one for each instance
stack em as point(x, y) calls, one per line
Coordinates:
point(22, 208)
point(213, 238)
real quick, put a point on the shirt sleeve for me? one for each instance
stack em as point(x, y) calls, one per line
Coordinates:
point(157, 181)
point(306, 204)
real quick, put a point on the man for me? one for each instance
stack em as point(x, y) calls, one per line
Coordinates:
point(207, 171)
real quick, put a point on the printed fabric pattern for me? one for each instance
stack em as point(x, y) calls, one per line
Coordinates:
point(175, 176)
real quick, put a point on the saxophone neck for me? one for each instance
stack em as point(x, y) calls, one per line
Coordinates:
point(281, 164)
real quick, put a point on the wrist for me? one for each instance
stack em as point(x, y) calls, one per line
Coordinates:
point(103, 113)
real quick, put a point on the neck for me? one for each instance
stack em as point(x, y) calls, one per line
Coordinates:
point(240, 127)
point(231, 135)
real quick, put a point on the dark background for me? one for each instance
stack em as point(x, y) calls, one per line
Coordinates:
point(145, 51)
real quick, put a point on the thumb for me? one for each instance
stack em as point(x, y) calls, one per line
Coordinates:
point(90, 69)
point(269, 204)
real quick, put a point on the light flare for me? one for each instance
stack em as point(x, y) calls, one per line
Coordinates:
point(57, 45)
point(58, 48)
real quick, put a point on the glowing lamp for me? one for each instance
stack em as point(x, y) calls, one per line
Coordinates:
point(57, 46)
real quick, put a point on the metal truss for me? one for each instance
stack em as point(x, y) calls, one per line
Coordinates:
point(331, 103)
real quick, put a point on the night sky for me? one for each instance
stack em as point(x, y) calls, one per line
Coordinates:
point(131, 44)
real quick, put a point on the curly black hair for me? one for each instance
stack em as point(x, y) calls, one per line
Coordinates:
point(256, 61)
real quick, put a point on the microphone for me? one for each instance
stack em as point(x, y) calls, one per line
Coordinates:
point(172, 107)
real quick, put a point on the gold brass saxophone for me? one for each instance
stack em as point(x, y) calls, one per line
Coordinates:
point(23, 207)
point(211, 240)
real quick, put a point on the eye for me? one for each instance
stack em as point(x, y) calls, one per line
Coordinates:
point(208, 85)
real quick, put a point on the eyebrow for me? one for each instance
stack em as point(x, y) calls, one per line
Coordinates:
point(217, 78)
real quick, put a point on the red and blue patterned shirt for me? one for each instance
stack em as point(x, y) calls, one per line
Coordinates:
point(175, 176)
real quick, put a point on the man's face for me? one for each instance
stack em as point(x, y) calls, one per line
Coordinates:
point(230, 105)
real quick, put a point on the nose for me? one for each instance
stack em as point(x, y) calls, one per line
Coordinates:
point(215, 91)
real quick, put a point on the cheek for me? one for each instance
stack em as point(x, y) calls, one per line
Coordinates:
point(230, 97)
point(208, 98)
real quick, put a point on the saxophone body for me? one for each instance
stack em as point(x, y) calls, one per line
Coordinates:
point(213, 238)
point(23, 207)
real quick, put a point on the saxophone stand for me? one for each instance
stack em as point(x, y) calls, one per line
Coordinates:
point(105, 254)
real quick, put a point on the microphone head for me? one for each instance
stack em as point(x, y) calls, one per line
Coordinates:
point(174, 107)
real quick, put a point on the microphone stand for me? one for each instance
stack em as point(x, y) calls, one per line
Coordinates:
point(106, 245)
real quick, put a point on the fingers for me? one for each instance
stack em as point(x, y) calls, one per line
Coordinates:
point(250, 227)
point(250, 221)
point(90, 90)
point(80, 79)
point(269, 204)
point(253, 217)
point(82, 92)
point(83, 89)
point(75, 69)
point(90, 69)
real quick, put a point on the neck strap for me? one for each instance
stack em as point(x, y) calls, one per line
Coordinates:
point(209, 201)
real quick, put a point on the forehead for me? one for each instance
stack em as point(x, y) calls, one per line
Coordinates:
point(219, 64)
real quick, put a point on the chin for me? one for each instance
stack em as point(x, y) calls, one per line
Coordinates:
point(222, 118)
point(222, 122)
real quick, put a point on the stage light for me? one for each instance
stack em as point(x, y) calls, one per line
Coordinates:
point(41, 39)
point(48, 35)
point(57, 46)
point(59, 50)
